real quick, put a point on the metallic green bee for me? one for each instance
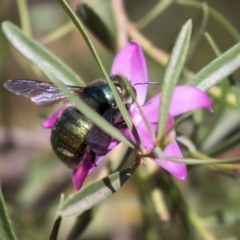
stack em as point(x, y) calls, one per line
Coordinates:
point(72, 133)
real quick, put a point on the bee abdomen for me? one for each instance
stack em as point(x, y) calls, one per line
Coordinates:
point(68, 136)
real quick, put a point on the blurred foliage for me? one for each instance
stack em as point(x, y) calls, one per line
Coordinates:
point(31, 177)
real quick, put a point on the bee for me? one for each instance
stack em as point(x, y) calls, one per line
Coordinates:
point(73, 133)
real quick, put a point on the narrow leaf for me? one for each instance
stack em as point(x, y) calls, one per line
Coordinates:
point(89, 17)
point(36, 53)
point(57, 72)
point(6, 231)
point(81, 224)
point(172, 73)
point(95, 192)
point(218, 69)
point(124, 111)
point(200, 30)
point(195, 161)
point(222, 20)
point(226, 144)
point(156, 11)
point(57, 222)
point(88, 41)
point(220, 130)
point(55, 229)
point(232, 83)
point(212, 44)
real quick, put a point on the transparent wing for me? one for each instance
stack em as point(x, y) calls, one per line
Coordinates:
point(40, 92)
point(97, 139)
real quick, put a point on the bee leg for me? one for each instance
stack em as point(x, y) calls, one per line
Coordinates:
point(94, 156)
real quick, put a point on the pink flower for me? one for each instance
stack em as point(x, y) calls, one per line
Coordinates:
point(130, 62)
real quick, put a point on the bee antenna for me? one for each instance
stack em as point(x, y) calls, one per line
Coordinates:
point(157, 83)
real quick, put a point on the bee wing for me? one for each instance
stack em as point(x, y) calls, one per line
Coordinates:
point(40, 92)
point(96, 138)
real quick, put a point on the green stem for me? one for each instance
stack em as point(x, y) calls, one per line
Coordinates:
point(24, 16)
point(81, 223)
point(58, 33)
point(6, 231)
point(150, 222)
point(170, 77)
point(223, 22)
point(156, 54)
point(228, 143)
point(120, 22)
point(197, 161)
point(58, 219)
point(197, 37)
point(190, 215)
point(180, 119)
point(199, 226)
point(151, 15)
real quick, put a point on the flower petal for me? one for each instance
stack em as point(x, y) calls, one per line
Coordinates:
point(184, 98)
point(130, 62)
point(187, 98)
point(85, 167)
point(112, 145)
point(143, 132)
point(178, 170)
point(87, 164)
point(49, 122)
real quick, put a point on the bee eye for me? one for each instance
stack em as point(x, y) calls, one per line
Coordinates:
point(120, 90)
point(119, 87)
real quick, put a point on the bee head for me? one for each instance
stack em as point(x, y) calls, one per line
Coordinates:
point(126, 91)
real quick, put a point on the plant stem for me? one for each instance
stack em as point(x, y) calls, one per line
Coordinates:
point(6, 231)
point(190, 215)
point(24, 16)
point(151, 15)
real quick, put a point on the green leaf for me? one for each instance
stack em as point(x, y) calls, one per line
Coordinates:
point(24, 16)
point(124, 110)
point(224, 86)
point(226, 144)
point(57, 222)
point(57, 72)
point(81, 224)
point(96, 25)
point(88, 41)
point(195, 161)
point(222, 20)
point(105, 10)
point(156, 11)
point(212, 44)
point(220, 130)
point(36, 181)
point(95, 192)
point(197, 36)
point(86, 110)
point(218, 69)
point(172, 73)
point(6, 231)
point(55, 229)
point(36, 53)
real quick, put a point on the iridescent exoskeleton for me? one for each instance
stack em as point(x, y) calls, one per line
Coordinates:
point(72, 132)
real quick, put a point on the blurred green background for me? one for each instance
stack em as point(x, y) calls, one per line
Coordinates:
point(32, 178)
